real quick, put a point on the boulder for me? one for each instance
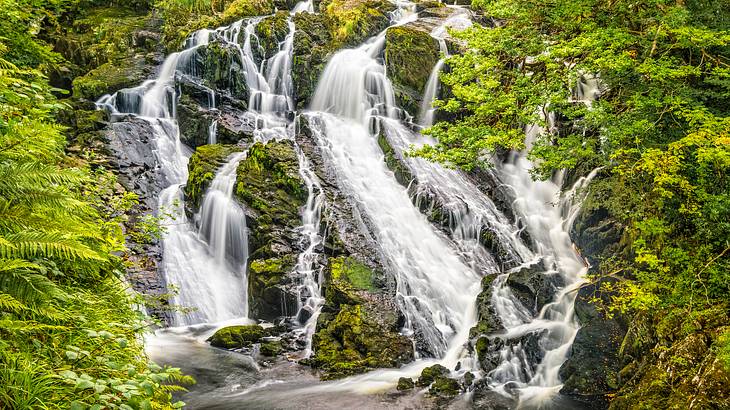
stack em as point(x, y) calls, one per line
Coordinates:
point(202, 167)
point(533, 286)
point(430, 374)
point(405, 383)
point(233, 337)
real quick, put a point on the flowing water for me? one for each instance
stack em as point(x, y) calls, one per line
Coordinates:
point(438, 273)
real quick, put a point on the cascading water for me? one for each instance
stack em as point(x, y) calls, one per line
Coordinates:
point(436, 290)
point(460, 20)
point(308, 267)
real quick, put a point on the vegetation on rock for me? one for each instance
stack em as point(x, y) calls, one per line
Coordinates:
point(202, 167)
point(233, 337)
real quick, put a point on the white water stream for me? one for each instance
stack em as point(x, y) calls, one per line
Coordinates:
point(437, 276)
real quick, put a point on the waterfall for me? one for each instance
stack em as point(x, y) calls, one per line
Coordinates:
point(460, 20)
point(308, 267)
point(436, 290)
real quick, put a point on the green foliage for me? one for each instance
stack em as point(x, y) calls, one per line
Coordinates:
point(69, 335)
point(660, 128)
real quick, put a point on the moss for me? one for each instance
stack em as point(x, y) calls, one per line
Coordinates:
point(430, 374)
point(222, 70)
point(270, 348)
point(202, 167)
point(405, 383)
point(402, 174)
point(444, 387)
point(352, 342)
point(110, 77)
point(410, 55)
point(239, 9)
point(355, 273)
point(232, 337)
point(271, 31)
point(352, 21)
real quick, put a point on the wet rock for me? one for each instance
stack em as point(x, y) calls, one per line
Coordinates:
point(222, 69)
point(533, 286)
point(430, 374)
point(112, 76)
point(487, 399)
point(593, 365)
point(271, 31)
point(202, 167)
point(488, 319)
point(444, 387)
point(194, 122)
point(357, 329)
point(271, 349)
point(410, 55)
point(597, 235)
point(233, 337)
point(405, 383)
point(270, 188)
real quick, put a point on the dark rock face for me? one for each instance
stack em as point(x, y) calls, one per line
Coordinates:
point(593, 365)
point(597, 235)
point(270, 188)
point(533, 286)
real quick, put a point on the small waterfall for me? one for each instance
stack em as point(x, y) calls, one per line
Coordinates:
point(460, 20)
point(309, 267)
point(555, 326)
point(206, 281)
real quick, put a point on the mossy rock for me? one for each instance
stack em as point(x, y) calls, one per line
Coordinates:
point(410, 55)
point(233, 337)
point(222, 69)
point(271, 31)
point(488, 319)
point(352, 21)
point(352, 342)
point(267, 287)
point(111, 77)
point(202, 167)
point(355, 273)
point(430, 374)
point(270, 349)
point(444, 387)
point(405, 383)
point(239, 9)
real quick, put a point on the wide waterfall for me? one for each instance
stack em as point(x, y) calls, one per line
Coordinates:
point(438, 266)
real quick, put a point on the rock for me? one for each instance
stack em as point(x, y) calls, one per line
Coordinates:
point(598, 235)
point(444, 387)
point(358, 327)
point(270, 188)
point(533, 286)
point(270, 349)
point(239, 9)
point(271, 31)
point(430, 374)
point(488, 319)
point(593, 365)
point(405, 383)
point(202, 167)
point(111, 77)
point(233, 337)
point(485, 398)
point(222, 69)
point(410, 55)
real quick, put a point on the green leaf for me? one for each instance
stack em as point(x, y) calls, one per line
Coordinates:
point(84, 384)
point(71, 355)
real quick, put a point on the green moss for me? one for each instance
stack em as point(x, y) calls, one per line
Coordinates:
point(352, 342)
point(232, 337)
point(203, 165)
point(405, 383)
point(402, 174)
point(239, 9)
point(270, 348)
point(444, 387)
point(349, 269)
point(354, 20)
point(110, 77)
point(271, 31)
point(430, 374)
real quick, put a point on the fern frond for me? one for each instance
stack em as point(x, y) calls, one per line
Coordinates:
point(31, 245)
point(10, 304)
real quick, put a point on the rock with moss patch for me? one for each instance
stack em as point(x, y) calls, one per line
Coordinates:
point(233, 337)
point(405, 383)
point(269, 185)
point(430, 374)
point(410, 55)
point(270, 348)
point(444, 387)
point(202, 167)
